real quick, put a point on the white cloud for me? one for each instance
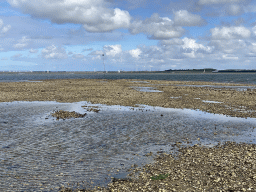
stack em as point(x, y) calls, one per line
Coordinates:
point(207, 2)
point(176, 49)
point(192, 49)
point(235, 10)
point(22, 43)
point(92, 14)
point(96, 57)
point(190, 44)
point(112, 50)
point(175, 41)
point(184, 18)
point(33, 51)
point(231, 57)
point(4, 58)
point(250, 55)
point(220, 8)
point(252, 50)
point(254, 30)
point(110, 21)
point(157, 27)
point(153, 60)
point(239, 32)
point(96, 52)
point(135, 53)
point(1, 23)
point(78, 56)
point(17, 55)
point(4, 28)
point(230, 46)
point(52, 52)
point(254, 47)
point(43, 34)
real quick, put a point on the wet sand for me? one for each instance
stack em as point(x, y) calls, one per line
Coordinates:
point(228, 167)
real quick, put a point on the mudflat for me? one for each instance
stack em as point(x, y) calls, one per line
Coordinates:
point(219, 98)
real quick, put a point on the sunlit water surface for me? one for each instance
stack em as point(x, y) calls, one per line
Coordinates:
point(37, 152)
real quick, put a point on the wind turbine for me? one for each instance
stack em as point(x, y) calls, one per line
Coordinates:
point(103, 63)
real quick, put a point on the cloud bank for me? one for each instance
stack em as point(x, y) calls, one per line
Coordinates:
point(94, 15)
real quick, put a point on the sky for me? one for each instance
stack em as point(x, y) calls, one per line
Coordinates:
point(133, 35)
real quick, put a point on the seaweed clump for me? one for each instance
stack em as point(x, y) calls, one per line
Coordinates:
point(67, 114)
point(91, 109)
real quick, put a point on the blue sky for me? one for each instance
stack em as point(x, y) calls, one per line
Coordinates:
point(72, 35)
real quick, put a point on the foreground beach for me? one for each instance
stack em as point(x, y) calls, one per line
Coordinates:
point(228, 167)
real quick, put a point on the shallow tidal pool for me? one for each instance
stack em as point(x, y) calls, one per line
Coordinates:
point(38, 152)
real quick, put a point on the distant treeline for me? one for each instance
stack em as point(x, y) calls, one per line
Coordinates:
point(213, 70)
point(236, 71)
point(192, 70)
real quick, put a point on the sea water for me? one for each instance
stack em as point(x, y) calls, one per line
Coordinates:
point(245, 78)
point(38, 152)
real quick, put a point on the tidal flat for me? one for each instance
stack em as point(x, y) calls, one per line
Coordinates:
point(237, 100)
point(183, 126)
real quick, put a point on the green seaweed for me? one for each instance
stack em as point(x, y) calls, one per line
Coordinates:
point(159, 177)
